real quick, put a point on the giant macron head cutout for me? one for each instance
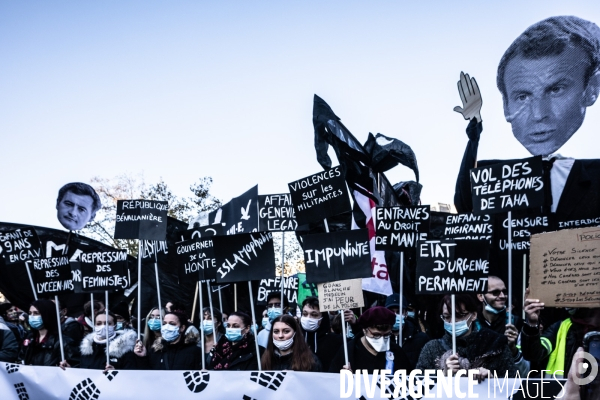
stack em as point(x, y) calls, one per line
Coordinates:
point(76, 205)
point(548, 77)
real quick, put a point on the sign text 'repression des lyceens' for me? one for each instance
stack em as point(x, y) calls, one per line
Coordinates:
point(141, 219)
point(514, 185)
point(320, 196)
point(51, 275)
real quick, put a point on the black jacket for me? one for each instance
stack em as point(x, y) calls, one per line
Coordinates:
point(93, 355)
point(401, 361)
point(323, 343)
point(413, 341)
point(183, 355)
point(240, 359)
point(48, 353)
point(280, 363)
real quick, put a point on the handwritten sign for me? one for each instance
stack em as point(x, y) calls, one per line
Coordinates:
point(340, 295)
point(320, 196)
point(565, 268)
point(578, 223)
point(102, 270)
point(196, 259)
point(446, 266)
point(276, 213)
point(468, 227)
point(337, 256)
point(400, 228)
point(290, 289)
point(141, 219)
point(19, 245)
point(514, 185)
point(51, 275)
point(244, 257)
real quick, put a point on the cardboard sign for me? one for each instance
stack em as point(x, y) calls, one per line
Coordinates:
point(245, 257)
point(515, 185)
point(51, 275)
point(240, 215)
point(196, 259)
point(19, 245)
point(202, 232)
point(276, 213)
point(400, 228)
point(340, 295)
point(141, 219)
point(102, 270)
point(290, 289)
point(565, 268)
point(446, 266)
point(337, 256)
point(468, 227)
point(320, 196)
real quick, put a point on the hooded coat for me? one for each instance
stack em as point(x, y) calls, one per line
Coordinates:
point(183, 355)
point(120, 351)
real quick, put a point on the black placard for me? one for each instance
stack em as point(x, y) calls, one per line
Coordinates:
point(240, 215)
point(141, 219)
point(447, 266)
point(19, 245)
point(400, 228)
point(244, 257)
point(290, 289)
point(337, 256)
point(202, 232)
point(51, 275)
point(514, 185)
point(276, 213)
point(102, 271)
point(468, 227)
point(196, 259)
point(564, 223)
point(320, 196)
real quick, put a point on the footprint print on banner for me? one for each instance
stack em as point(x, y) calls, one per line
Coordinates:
point(85, 390)
point(110, 375)
point(270, 380)
point(21, 391)
point(196, 381)
point(11, 368)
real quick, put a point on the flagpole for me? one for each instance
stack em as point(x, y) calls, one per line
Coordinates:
point(254, 325)
point(31, 280)
point(401, 290)
point(210, 304)
point(282, 266)
point(139, 283)
point(92, 308)
point(157, 279)
point(202, 333)
point(106, 326)
point(524, 281)
point(235, 296)
point(509, 309)
point(195, 303)
point(453, 299)
point(220, 301)
point(60, 335)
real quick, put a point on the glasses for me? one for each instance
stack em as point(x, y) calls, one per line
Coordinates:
point(448, 318)
point(497, 292)
point(380, 335)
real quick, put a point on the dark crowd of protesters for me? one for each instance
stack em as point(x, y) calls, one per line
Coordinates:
point(393, 335)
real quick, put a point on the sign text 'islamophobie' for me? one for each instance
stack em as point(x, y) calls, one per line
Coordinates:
point(244, 257)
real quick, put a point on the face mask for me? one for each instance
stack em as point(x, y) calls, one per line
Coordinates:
point(381, 344)
point(224, 324)
point(169, 332)
point(310, 324)
point(284, 344)
point(119, 326)
point(461, 327)
point(233, 334)
point(100, 331)
point(491, 309)
point(399, 320)
point(410, 314)
point(274, 312)
point(35, 321)
point(207, 327)
point(265, 321)
point(154, 324)
point(349, 333)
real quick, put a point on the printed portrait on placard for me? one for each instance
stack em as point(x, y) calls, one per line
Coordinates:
point(76, 205)
point(548, 77)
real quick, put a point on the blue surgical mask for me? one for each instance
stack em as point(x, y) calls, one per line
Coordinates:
point(35, 321)
point(410, 314)
point(224, 324)
point(207, 327)
point(399, 320)
point(169, 332)
point(265, 321)
point(461, 327)
point(274, 312)
point(119, 326)
point(233, 334)
point(154, 324)
point(491, 309)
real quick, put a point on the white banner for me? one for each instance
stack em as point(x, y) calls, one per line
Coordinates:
point(21, 382)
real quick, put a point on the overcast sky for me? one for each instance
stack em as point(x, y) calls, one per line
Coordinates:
point(186, 89)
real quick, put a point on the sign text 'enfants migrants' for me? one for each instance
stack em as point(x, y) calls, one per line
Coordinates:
point(320, 196)
point(514, 185)
point(141, 219)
